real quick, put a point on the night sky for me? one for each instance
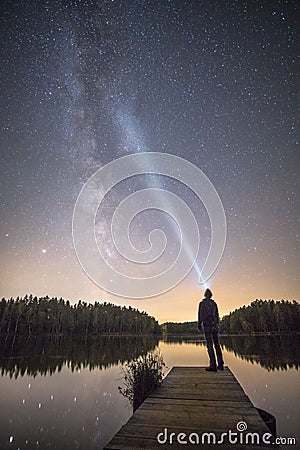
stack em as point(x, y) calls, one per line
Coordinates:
point(214, 82)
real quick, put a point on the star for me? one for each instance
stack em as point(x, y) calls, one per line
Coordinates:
point(216, 87)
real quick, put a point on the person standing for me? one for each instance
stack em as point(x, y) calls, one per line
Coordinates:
point(208, 316)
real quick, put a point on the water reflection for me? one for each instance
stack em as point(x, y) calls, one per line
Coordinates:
point(42, 356)
point(278, 352)
point(45, 356)
point(63, 394)
point(185, 340)
point(271, 352)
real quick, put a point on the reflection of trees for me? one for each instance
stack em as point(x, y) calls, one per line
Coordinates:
point(271, 352)
point(43, 356)
point(277, 352)
point(46, 356)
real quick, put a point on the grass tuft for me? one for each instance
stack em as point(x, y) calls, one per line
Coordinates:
point(141, 376)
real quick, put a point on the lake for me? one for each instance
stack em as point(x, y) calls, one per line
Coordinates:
point(63, 394)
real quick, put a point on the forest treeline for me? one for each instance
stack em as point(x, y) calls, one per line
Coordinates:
point(31, 315)
point(180, 328)
point(261, 316)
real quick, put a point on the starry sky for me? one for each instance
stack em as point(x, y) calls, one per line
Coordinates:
point(86, 82)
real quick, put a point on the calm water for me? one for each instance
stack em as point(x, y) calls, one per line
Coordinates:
point(64, 394)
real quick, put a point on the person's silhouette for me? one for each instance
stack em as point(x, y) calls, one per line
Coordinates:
point(208, 316)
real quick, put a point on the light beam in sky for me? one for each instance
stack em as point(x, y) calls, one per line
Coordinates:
point(134, 140)
point(155, 163)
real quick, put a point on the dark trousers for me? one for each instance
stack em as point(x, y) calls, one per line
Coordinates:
point(212, 339)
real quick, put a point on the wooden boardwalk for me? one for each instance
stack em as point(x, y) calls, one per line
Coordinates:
point(192, 401)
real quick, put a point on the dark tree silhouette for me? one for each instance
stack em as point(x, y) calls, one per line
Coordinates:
point(51, 316)
point(263, 316)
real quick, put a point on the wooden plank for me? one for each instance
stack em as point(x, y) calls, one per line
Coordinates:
point(192, 382)
point(232, 395)
point(190, 400)
point(199, 389)
point(208, 408)
point(191, 421)
point(133, 443)
point(204, 403)
point(151, 431)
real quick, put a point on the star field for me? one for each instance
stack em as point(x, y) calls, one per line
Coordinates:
point(86, 82)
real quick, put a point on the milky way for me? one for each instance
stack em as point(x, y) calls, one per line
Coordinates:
point(86, 82)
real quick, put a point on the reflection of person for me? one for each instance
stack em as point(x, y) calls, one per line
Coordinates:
point(208, 316)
